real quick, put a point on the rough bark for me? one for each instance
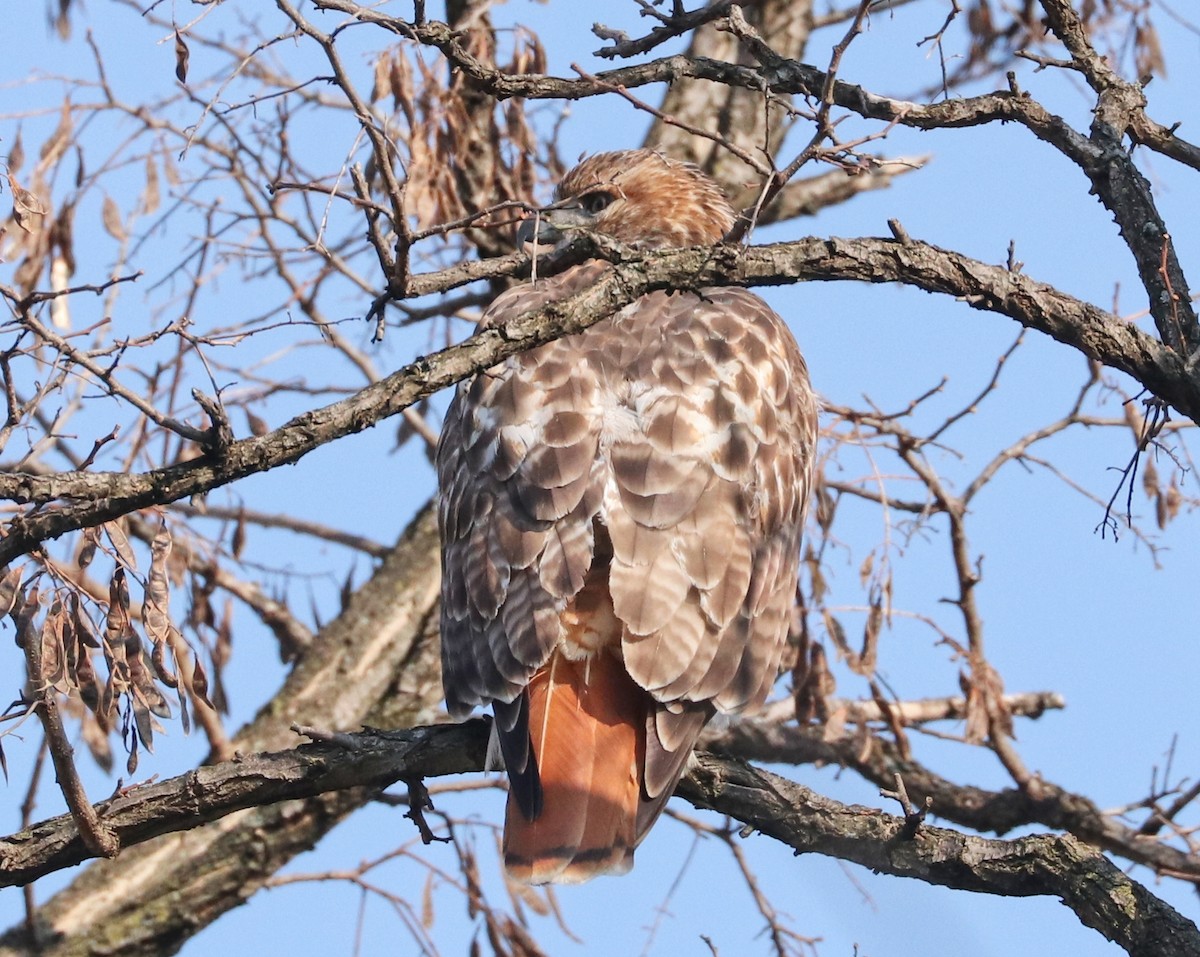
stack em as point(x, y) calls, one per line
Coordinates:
point(1103, 897)
point(211, 792)
point(1088, 883)
point(1101, 336)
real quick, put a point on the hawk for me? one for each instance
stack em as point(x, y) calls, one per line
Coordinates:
point(620, 514)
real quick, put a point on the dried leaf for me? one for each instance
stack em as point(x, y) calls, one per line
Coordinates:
point(1150, 478)
point(98, 744)
point(151, 196)
point(62, 21)
point(110, 215)
point(16, 155)
point(819, 588)
point(88, 549)
point(835, 723)
point(258, 427)
point(170, 170)
point(380, 81)
point(106, 709)
point(116, 628)
point(347, 590)
point(528, 896)
point(26, 205)
point(54, 147)
point(158, 658)
point(813, 693)
point(200, 683)
point(427, 914)
point(986, 708)
point(864, 571)
point(135, 666)
point(864, 662)
point(1168, 504)
point(1150, 61)
point(182, 55)
point(237, 543)
point(155, 609)
point(1133, 418)
point(200, 612)
point(185, 713)
point(894, 722)
point(85, 677)
point(54, 658)
point(60, 306)
point(977, 719)
point(115, 531)
point(155, 700)
point(998, 710)
point(400, 85)
point(10, 589)
point(221, 652)
point(84, 629)
point(24, 199)
point(62, 236)
point(837, 633)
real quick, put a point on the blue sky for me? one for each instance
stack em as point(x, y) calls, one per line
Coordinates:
point(1065, 610)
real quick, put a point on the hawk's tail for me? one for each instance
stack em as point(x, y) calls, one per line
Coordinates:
point(587, 722)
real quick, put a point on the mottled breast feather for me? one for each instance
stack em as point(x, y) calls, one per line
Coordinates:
point(686, 426)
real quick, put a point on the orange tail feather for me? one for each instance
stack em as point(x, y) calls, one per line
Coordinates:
point(587, 724)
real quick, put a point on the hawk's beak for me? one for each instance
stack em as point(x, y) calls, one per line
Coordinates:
point(551, 227)
point(536, 231)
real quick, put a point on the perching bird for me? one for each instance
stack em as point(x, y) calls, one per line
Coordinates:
point(620, 514)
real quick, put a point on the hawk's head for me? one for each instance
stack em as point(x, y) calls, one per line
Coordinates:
point(639, 197)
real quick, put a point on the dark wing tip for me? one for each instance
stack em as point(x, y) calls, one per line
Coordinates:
point(520, 763)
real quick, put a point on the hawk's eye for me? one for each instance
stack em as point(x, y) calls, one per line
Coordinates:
point(596, 202)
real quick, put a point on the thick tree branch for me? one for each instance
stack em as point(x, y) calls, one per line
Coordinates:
point(779, 75)
point(1039, 865)
point(379, 758)
point(1121, 186)
point(101, 496)
point(1120, 110)
point(1101, 896)
point(137, 814)
point(996, 812)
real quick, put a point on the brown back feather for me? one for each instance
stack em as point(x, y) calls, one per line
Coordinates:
point(645, 481)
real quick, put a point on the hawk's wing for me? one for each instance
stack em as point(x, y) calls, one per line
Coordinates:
point(673, 444)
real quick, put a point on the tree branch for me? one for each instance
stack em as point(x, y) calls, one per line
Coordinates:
point(1103, 897)
point(375, 664)
point(1101, 157)
point(997, 812)
point(1099, 335)
point(209, 793)
point(1039, 865)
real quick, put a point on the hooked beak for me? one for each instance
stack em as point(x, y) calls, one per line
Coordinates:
point(551, 228)
point(535, 231)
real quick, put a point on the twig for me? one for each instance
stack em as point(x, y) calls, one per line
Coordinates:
point(913, 815)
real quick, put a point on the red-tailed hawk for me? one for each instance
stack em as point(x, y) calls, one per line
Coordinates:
point(620, 515)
